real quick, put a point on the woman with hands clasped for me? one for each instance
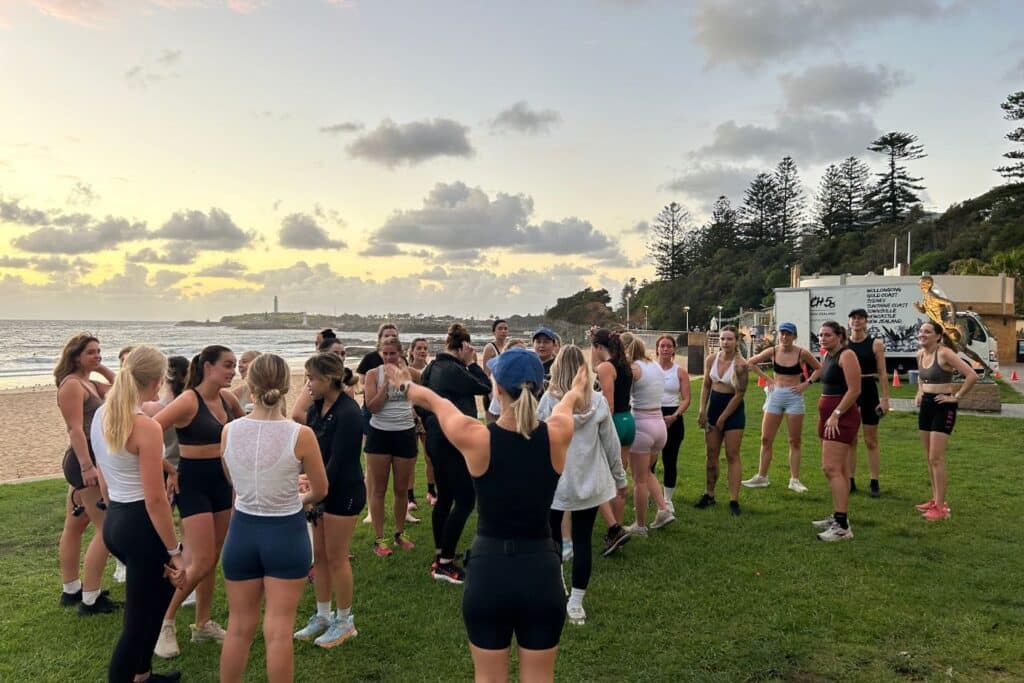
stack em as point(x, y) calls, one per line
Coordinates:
point(138, 529)
point(513, 587)
point(937, 399)
point(267, 553)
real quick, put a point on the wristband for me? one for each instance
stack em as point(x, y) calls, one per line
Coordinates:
point(87, 467)
point(174, 552)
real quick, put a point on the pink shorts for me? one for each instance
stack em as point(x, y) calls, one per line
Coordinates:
point(651, 433)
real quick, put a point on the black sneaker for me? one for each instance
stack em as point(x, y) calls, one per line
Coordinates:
point(70, 599)
point(614, 540)
point(734, 508)
point(450, 572)
point(103, 605)
point(705, 501)
point(853, 485)
point(169, 677)
point(874, 492)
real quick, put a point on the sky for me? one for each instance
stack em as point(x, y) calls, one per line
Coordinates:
point(188, 159)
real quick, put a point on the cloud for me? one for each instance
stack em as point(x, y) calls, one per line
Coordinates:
point(521, 119)
point(160, 68)
point(839, 86)
point(215, 230)
point(806, 136)
point(343, 127)
point(229, 268)
point(457, 218)
point(705, 183)
point(640, 228)
point(178, 254)
point(12, 212)
point(301, 231)
point(82, 194)
point(751, 33)
point(100, 12)
point(13, 262)
point(1016, 72)
point(47, 264)
point(392, 144)
point(164, 279)
point(81, 240)
point(381, 249)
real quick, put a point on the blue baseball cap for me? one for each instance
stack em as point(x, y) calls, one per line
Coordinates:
point(788, 327)
point(545, 331)
point(516, 366)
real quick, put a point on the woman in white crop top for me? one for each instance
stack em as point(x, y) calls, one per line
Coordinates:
point(138, 529)
point(675, 399)
point(267, 553)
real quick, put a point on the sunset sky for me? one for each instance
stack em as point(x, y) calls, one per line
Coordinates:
point(167, 159)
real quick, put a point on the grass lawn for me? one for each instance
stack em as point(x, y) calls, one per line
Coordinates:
point(1007, 394)
point(710, 598)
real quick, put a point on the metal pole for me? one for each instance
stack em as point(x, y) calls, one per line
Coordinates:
point(895, 242)
point(908, 250)
point(628, 297)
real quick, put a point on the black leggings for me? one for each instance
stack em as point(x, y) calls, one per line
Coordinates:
point(670, 454)
point(455, 495)
point(131, 538)
point(582, 552)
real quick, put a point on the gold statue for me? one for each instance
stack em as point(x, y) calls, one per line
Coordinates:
point(943, 311)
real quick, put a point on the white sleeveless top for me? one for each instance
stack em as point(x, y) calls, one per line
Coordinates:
point(670, 392)
point(120, 469)
point(727, 377)
point(396, 414)
point(260, 457)
point(646, 391)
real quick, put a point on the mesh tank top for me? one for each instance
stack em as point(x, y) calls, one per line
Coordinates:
point(260, 457)
point(648, 388)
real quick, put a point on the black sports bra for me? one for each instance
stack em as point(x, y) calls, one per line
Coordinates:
point(787, 369)
point(204, 429)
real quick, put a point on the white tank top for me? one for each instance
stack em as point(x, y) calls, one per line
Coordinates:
point(120, 469)
point(646, 391)
point(260, 457)
point(396, 414)
point(670, 393)
point(727, 377)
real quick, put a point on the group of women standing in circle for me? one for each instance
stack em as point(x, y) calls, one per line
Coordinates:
point(551, 459)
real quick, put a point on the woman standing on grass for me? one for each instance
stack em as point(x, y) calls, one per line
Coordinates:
point(514, 586)
point(418, 355)
point(334, 418)
point(204, 493)
point(78, 398)
point(785, 398)
point(593, 472)
point(242, 392)
point(722, 415)
point(492, 349)
point(675, 399)
point(937, 399)
point(871, 356)
point(838, 421)
point(390, 448)
point(267, 553)
point(139, 529)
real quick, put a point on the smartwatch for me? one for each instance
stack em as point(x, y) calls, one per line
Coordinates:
point(175, 551)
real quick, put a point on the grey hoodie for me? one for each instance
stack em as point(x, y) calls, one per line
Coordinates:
point(593, 464)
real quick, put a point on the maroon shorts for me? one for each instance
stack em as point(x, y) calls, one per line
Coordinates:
point(849, 422)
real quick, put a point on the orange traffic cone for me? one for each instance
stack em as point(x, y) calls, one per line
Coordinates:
point(998, 375)
point(895, 379)
point(760, 381)
point(1013, 376)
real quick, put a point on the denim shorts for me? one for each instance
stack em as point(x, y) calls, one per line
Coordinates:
point(784, 400)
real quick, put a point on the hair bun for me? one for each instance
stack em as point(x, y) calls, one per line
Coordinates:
point(271, 396)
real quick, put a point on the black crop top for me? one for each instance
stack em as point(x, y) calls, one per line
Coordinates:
point(514, 495)
point(204, 429)
point(833, 380)
point(620, 390)
point(787, 369)
point(865, 355)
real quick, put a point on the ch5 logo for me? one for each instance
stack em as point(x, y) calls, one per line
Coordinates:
point(823, 302)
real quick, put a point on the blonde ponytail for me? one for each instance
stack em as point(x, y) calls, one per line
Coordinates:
point(524, 409)
point(141, 367)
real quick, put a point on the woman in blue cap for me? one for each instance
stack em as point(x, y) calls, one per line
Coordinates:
point(514, 585)
point(793, 368)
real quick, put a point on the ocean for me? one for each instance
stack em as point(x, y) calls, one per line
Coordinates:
point(29, 348)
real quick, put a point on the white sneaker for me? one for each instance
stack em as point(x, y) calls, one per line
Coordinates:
point(836, 533)
point(120, 571)
point(635, 530)
point(796, 486)
point(671, 506)
point(167, 643)
point(756, 482)
point(210, 631)
point(368, 519)
point(577, 616)
point(662, 519)
point(824, 523)
point(316, 626)
point(410, 519)
point(190, 600)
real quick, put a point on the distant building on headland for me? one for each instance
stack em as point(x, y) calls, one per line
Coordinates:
point(275, 304)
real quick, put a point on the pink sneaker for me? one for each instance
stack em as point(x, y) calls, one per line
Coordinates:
point(925, 507)
point(402, 541)
point(381, 549)
point(431, 498)
point(937, 513)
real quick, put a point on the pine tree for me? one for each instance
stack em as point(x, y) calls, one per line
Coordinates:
point(789, 202)
point(667, 245)
point(896, 190)
point(829, 203)
point(759, 211)
point(855, 176)
point(721, 230)
point(1014, 108)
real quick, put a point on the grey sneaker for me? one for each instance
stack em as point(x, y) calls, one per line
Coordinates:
point(663, 519)
point(635, 530)
point(836, 533)
point(211, 631)
point(577, 617)
point(756, 482)
point(338, 633)
point(167, 643)
point(796, 486)
point(824, 523)
point(317, 625)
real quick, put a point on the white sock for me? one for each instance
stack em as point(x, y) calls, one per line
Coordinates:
point(343, 614)
point(89, 597)
point(576, 597)
point(323, 609)
point(669, 490)
point(73, 586)
point(168, 622)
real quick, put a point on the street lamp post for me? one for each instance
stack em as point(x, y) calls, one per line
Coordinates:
point(720, 318)
point(686, 309)
point(647, 324)
point(628, 297)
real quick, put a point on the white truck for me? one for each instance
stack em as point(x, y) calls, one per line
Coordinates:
point(892, 317)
